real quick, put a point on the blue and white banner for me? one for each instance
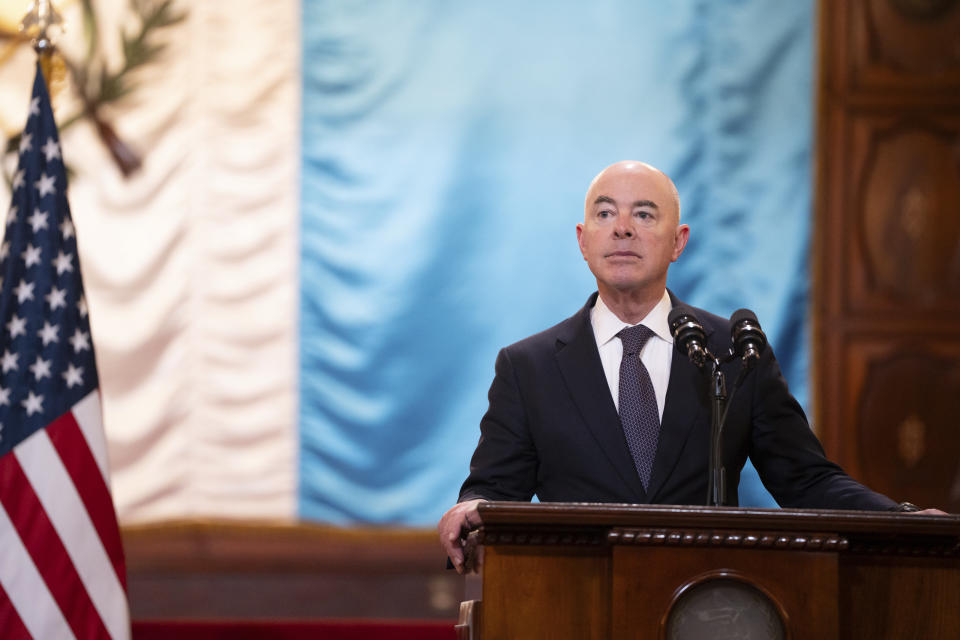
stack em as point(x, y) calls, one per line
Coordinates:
point(447, 148)
point(346, 209)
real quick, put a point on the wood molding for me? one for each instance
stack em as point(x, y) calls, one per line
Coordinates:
point(742, 538)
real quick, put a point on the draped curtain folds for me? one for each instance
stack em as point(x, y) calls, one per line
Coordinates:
point(190, 267)
point(446, 150)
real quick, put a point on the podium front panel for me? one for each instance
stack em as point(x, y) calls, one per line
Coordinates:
point(649, 583)
point(548, 593)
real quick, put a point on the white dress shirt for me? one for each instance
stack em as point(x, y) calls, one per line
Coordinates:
point(656, 355)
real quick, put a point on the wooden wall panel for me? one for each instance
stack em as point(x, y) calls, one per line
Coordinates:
point(901, 436)
point(886, 303)
point(886, 45)
point(906, 251)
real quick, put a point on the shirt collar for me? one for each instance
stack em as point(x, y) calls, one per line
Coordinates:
point(606, 325)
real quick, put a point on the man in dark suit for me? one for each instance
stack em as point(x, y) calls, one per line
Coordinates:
point(574, 416)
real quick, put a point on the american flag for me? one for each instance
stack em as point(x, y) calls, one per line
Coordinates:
point(62, 572)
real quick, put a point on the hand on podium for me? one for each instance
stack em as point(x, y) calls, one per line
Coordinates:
point(454, 527)
point(909, 507)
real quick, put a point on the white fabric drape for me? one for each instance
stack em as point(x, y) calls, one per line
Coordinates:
point(190, 266)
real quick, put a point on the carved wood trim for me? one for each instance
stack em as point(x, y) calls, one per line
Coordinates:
point(739, 539)
point(862, 150)
point(720, 538)
point(598, 518)
point(596, 528)
point(889, 47)
point(547, 536)
point(908, 238)
point(903, 394)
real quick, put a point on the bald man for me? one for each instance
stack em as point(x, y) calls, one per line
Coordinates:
point(553, 427)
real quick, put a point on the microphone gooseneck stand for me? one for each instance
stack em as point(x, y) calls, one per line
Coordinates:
point(748, 340)
point(717, 480)
point(719, 403)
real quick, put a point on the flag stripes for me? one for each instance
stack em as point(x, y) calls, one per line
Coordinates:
point(10, 622)
point(46, 551)
point(70, 444)
point(61, 501)
point(88, 415)
point(26, 606)
point(63, 573)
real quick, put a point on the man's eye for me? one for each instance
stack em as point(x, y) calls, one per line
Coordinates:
point(643, 215)
point(604, 213)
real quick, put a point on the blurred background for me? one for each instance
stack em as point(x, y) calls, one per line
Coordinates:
point(342, 210)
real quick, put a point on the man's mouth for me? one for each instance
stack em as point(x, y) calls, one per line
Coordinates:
point(623, 254)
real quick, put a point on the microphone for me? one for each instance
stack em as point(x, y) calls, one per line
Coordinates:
point(688, 333)
point(747, 336)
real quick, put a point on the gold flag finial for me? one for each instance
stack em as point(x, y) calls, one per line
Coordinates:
point(42, 23)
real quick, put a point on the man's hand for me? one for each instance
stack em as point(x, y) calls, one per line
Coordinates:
point(930, 512)
point(454, 527)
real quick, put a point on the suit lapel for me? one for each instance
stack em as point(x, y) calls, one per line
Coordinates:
point(582, 371)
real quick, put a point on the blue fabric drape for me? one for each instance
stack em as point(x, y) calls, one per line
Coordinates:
point(446, 150)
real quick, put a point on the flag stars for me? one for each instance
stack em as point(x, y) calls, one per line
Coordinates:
point(31, 256)
point(38, 220)
point(17, 327)
point(73, 375)
point(9, 362)
point(45, 184)
point(80, 341)
point(26, 143)
point(40, 369)
point(51, 149)
point(48, 333)
point(62, 263)
point(24, 291)
point(56, 298)
point(33, 404)
point(41, 279)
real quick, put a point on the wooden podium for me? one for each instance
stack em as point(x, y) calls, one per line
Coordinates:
point(610, 571)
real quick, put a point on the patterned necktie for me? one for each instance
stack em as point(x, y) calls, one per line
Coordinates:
point(638, 403)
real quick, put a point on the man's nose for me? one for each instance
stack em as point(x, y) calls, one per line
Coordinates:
point(623, 228)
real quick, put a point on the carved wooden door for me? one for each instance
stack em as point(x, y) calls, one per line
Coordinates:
point(886, 303)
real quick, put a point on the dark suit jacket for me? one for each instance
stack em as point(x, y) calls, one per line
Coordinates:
point(552, 430)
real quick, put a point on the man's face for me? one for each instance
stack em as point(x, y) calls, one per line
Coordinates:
point(631, 231)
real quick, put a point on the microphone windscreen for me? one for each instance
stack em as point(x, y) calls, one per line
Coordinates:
point(746, 334)
point(676, 315)
point(688, 333)
point(744, 314)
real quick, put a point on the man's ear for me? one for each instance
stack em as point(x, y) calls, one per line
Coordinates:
point(680, 241)
point(583, 251)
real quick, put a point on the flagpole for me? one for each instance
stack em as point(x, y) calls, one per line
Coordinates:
point(62, 569)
